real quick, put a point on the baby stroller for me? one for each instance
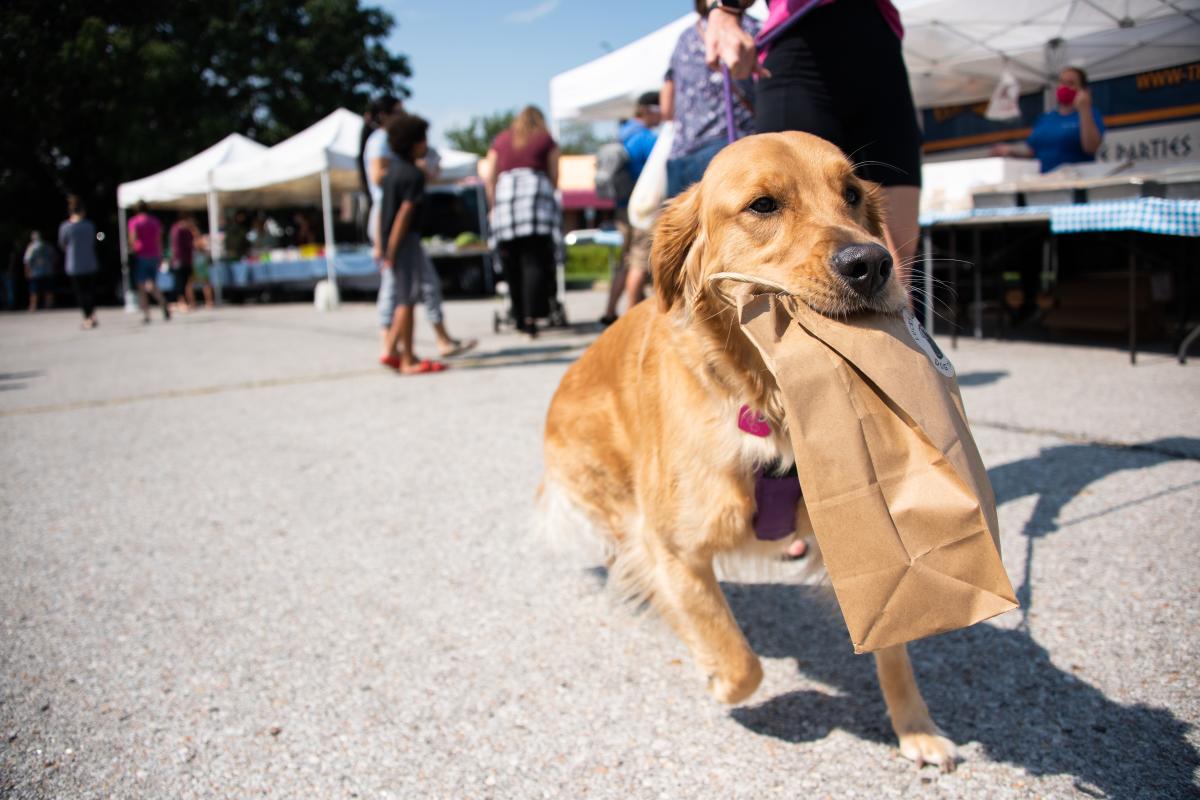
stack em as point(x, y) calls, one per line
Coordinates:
point(503, 318)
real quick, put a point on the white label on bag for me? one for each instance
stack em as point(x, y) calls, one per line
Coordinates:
point(926, 343)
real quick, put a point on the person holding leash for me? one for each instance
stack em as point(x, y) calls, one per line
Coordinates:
point(834, 68)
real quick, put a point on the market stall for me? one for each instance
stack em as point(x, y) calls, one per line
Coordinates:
point(1162, 202)
point(185, 186)
point(322, 162)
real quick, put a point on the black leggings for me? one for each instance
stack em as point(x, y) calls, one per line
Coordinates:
point(528, 263)
point(85, 293)
point(839, 74)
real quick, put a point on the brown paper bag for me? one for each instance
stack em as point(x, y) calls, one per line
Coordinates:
point(898, 495)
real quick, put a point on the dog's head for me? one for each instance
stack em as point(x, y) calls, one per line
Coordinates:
point(787, 208)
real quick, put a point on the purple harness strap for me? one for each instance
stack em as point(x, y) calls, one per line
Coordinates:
point(774, 497)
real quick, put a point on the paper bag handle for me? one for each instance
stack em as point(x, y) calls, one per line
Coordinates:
point(716, 279)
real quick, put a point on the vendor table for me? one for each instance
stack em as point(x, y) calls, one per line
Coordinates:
point(354, 269)
point(1153, 215)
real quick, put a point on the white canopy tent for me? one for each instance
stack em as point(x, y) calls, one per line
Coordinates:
point(187, 185)
point(456, 165)
point(316, 162)
point(955, 50)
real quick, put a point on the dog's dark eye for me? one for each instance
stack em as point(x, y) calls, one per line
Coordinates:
point(764, 205)
point(852, 196)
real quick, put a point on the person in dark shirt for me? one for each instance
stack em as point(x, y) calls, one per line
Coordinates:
point(183, 246)
point(399, 233)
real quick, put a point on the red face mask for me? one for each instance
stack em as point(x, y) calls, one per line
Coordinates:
point(1066, 95)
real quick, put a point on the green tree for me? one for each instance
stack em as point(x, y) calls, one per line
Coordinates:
point(579, 138)
point(477, 135)
point(97, 92)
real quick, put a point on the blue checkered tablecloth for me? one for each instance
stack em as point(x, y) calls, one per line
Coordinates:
point(1146, 214)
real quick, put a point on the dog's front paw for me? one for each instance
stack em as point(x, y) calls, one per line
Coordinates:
point(736, 685)
point(928, 748)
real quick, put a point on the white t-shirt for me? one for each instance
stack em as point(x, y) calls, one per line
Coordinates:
point(376, 147)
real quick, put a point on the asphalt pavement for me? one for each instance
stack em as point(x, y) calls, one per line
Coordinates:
point(241, 560)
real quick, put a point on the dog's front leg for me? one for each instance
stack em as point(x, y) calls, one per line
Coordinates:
point(688, 595)
point(920, 739)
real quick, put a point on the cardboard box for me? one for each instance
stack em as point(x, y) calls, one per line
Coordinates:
point(897, 493)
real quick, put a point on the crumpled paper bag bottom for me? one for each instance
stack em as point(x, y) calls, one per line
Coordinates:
point(897, 493)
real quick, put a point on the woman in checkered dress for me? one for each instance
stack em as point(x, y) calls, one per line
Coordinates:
point(522, 174)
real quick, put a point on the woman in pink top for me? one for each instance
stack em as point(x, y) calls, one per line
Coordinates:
point(521, 175)
point(145, 245)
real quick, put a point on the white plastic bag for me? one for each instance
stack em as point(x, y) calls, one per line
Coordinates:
point(1006, 99)
point(651, 188)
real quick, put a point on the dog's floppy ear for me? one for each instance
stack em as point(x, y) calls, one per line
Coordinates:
point(874, 205)
point(674, 235)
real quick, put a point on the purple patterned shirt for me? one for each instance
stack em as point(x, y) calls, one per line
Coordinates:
point(699, 99)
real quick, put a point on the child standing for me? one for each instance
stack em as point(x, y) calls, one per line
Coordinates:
point(400, 237)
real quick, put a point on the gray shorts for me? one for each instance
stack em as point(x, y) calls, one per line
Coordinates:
point(431, 295)
point(401, 285)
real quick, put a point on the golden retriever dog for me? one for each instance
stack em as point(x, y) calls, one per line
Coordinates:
point(642, 437)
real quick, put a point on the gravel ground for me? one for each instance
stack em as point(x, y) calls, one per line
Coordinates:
point(238, 560)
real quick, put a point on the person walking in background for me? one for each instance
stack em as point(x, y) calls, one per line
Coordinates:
point(375, 156)
point(400, 207)
point(1071, 133)
point(39, 270)
point(145, 243)
point(522, 170)
point(693, 95)
point(637, 136)
point(77, 238)
point(202, 264)
point(373, 146)
point(183, 248)
point(836, 71)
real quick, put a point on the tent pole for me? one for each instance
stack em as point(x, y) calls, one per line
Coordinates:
point(327, 214)
point(123, 241)
point(216, 249)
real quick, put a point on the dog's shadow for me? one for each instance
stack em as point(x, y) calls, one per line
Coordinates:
point(986, 684)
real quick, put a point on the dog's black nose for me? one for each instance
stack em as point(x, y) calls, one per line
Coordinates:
point(865, 267)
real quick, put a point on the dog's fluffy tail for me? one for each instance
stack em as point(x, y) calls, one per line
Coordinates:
point(564, 527)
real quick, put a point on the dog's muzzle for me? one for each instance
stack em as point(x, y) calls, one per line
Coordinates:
point(863, 267)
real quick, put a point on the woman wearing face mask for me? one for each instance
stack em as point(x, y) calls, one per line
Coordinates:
point(1070, 134)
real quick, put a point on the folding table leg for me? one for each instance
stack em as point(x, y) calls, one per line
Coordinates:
point(1132, 299)
point(954, 288)
point(976, 269)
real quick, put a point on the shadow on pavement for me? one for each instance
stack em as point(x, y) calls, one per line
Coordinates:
point(13, 381)
point(518, 357)
point(997, 687)
point(981, 378)
point(1058, 474)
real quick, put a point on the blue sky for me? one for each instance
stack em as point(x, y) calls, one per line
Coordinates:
point(473, 57)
